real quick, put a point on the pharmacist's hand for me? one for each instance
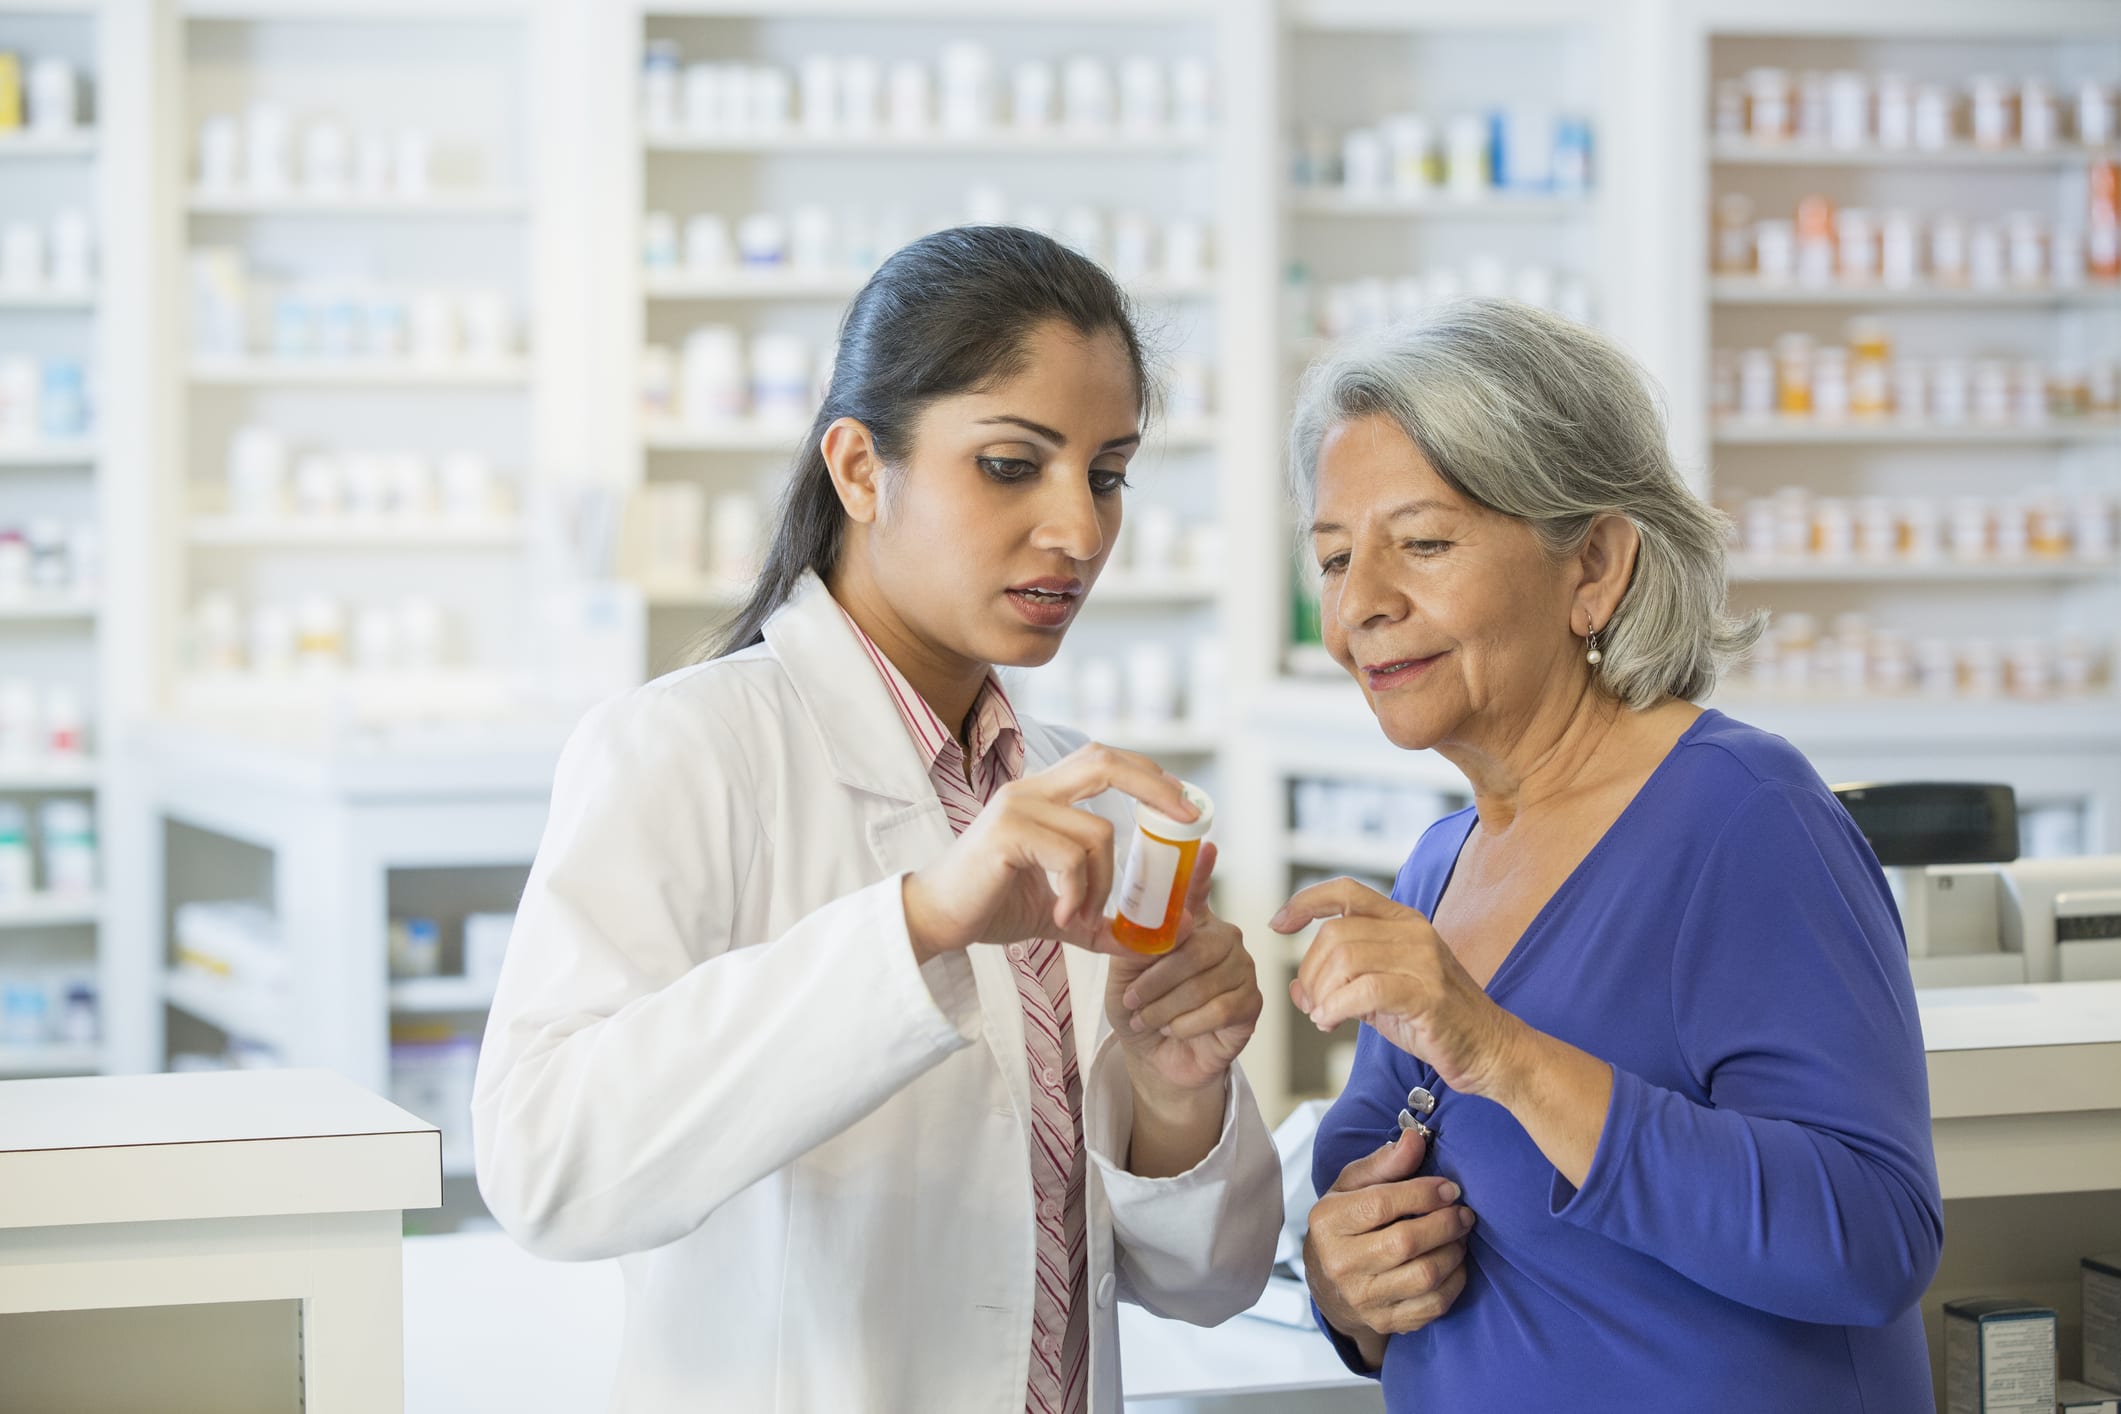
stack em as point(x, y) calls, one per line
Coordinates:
point(1184, 1015)
point(1378, 961)
point(1386, 1251)
point(1032, 866)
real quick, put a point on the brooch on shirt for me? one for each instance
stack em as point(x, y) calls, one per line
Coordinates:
point(1420, 1105)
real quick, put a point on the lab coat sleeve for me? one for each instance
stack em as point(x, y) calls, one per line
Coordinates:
point(642, 1065)
point(1197, 1246)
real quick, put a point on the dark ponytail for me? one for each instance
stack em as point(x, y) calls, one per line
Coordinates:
point(948, 314)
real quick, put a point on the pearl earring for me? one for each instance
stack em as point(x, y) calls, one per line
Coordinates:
point(1596, 655)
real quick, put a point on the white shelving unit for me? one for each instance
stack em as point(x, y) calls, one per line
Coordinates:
point(474, 226)
point(65, 640)
point(916, 181)
point(2058, 754)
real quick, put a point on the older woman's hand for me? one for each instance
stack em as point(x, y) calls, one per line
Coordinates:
point(1380, 962)
point(1385, 1251)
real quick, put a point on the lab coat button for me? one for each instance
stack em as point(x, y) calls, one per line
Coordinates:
point(1051, 1077)
point(1104, 1291)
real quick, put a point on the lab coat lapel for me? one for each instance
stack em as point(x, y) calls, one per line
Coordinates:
point(860, 733)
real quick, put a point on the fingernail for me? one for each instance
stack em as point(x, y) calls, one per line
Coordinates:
point(1138, 1023)
point(1130, 1001)
point(1449, 1192)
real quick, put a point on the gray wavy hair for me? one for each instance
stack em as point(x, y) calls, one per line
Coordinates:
point(1542, 419)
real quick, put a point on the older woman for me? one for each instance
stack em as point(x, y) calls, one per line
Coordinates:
point(1652, 981)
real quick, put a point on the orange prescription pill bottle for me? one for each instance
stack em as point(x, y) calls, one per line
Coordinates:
point(1159, 870)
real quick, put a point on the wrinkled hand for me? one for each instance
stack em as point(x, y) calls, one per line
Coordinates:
point(1386, 1252)
point(1183, 1017)
point(1380, 962)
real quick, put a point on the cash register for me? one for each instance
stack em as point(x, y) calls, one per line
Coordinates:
point(1975, 913)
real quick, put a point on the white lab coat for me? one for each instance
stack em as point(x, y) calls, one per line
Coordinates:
point(713, 1056)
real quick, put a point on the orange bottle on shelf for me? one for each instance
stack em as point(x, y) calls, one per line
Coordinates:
point(2102, 226)
point(1159, 870)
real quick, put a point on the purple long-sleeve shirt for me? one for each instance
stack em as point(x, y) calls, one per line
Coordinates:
point(1762, 1215)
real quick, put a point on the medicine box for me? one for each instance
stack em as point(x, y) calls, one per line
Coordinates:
point(2077, 1397)
point(1999, 1357)
point(2102, 1320)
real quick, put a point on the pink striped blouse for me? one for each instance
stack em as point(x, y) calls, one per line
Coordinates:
point(1060, 1334)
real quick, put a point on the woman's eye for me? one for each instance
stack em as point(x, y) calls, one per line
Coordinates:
point(1428, 547)
point(1333, 564)
point(1007, 469)
point(1109, 483)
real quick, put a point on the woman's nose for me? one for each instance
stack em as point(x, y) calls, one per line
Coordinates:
point(1069, 523)
point(1366, 593)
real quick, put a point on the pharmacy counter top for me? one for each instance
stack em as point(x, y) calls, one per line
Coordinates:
point(2025, 1087)
point(237, 1144)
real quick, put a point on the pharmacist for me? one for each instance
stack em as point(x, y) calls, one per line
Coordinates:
point(744, 1040)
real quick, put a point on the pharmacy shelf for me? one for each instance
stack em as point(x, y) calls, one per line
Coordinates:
point(49, 609)
point(751, 435)
point(440, 996)
point(36, 776)
point(771, 283)
point(236, 533)
point(38, 456)
point(434, 204)
point(381, 696)
point(1132, 587)
point(1745, 152)
point(1158, 738)
point(1323, 202)
point(1746, 289)
point(1356, 856)
point(1742, 432)
point(996, 142)
point(357, 373)
point(694, 594)
point(246, 1012)
point(32, 145)
point(21, 1062)
point(1750, 570)
point(1076, 11)
point(1910, 722)
point(38, 300)
point(50, 911)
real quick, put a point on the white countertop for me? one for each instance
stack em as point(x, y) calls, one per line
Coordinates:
point(138, 1148)
point(2041, 1014)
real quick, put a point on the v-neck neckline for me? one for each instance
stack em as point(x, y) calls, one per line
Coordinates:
point(1537, 927)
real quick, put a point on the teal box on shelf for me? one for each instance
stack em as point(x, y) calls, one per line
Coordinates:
point(1999, 1357)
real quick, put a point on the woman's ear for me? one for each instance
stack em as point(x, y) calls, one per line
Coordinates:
point(1608, 561)
point(857, 470)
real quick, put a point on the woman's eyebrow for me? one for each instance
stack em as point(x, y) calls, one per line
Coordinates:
point(1407, 508)
point(1056, 438)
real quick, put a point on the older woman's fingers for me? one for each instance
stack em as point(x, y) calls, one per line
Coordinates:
point(1412, 1315)
point(1425, 1275)
point(1367, 995)
point(1348, 947)
point(1335, 898)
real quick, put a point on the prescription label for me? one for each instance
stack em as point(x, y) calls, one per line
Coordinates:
point(1145, 893)
point(1999, 1358)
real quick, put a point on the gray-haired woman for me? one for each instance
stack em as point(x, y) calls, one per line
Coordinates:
point(1645, 1006)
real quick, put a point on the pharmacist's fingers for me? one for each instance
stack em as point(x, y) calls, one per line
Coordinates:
point(1203, 876)
point(1198, 953)
point(1096, 768)
point(1079, 890)
point(1192, 993)
point(1239, 1003)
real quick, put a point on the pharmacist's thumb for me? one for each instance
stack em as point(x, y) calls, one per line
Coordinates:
point(1398, 1160)
point(1203, 872)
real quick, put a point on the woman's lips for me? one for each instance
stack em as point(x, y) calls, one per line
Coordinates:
point(1398, 673)
point(1044, 610)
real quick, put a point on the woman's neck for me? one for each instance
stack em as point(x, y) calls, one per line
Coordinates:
point(1557, 746)
point(948, 682)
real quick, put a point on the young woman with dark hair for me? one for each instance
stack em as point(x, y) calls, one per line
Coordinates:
point(812, 1013)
